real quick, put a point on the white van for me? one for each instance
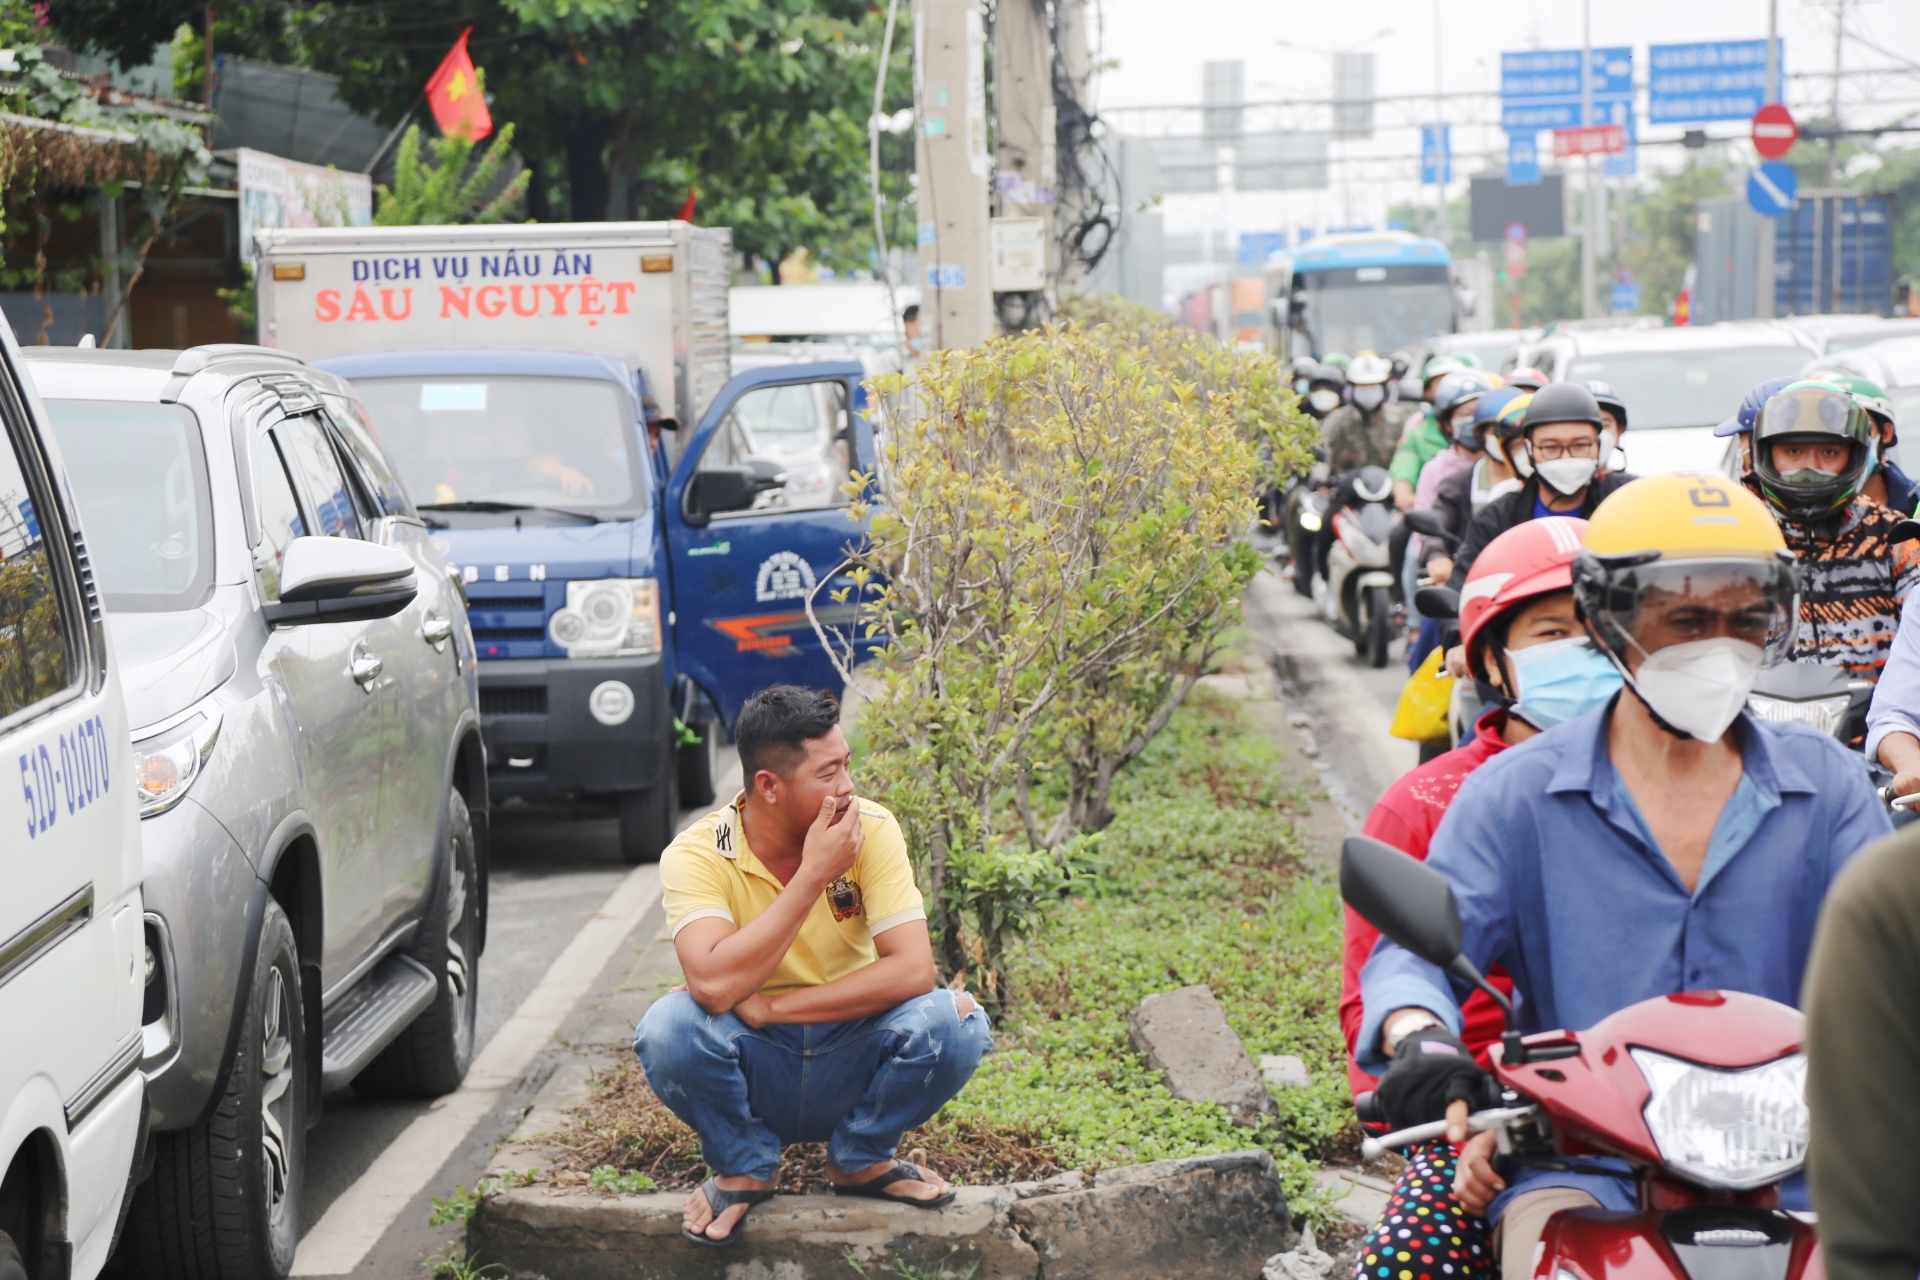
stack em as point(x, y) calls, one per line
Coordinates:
point(73, 959)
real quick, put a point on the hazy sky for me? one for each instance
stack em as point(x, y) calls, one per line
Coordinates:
point(1160, 46)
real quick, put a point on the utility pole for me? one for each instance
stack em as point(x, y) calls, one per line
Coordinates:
point(1833, 109)
point(1025, 168)
point(1070, 50)
point(1765, 244)
point(1439, 188)
point(950, 152)
point(1590, 225)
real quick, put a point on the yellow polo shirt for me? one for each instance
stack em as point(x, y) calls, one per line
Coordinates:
point(708, 872)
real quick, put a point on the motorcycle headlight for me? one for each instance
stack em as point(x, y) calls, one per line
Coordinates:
point(1731, 1129)
point(1310, 521)
point(1824, 714)
point(609, 618)
point(166, 763)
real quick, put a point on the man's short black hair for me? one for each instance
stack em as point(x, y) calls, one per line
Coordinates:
point(776, 725)
point(912, 312)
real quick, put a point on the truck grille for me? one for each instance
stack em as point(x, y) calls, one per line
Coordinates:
point(510, 701)
point(510, 619)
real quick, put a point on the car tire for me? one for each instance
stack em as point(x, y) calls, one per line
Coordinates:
point(698, 765)
point(430, 1057)
point(647, 819)
point(11, 1267)
point(224, 1195)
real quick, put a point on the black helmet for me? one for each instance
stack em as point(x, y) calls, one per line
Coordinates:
point(1563, 402)
point(1322, 387)
point(1811, 412)
point(1607, 398)
point(1456, 389)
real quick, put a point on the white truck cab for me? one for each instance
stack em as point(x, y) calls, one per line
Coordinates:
point(72, 934)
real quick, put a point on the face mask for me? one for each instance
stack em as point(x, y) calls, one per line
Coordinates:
point(1323, 401)
point(1370, 397)
point(1609, 441)
point(916, 344)
point(1699, 687)
point(1560, 681)
point(1567, 476)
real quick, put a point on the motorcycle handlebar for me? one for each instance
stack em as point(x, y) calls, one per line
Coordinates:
point(1478, 1122)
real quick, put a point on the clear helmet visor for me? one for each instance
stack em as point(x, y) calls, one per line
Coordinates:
point(1652, 606)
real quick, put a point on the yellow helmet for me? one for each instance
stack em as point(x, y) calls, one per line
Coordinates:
point(1681, 557)
point(1683, 514)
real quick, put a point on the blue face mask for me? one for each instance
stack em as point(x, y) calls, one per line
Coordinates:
point(1560, 681)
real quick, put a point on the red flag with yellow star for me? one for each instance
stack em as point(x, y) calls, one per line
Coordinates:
point(459, 107)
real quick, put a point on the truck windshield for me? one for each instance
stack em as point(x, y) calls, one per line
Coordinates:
point(1377, 308)
point(142, 487)
point(565, 443)
point(1685, 388)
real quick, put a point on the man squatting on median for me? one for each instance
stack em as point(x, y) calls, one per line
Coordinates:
point(810, 1012)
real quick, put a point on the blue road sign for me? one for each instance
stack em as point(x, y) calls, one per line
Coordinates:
point(1771, 188)
point(1540, 88)
point(1622, 164)
point(1626, 298)
point(1436, 154)
point(1523, 159)
point(1721, 80)
point(1257, 246)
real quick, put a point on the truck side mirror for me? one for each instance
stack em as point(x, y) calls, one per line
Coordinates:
point(722, 489)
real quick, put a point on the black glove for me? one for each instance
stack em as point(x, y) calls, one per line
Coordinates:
point(1430, 1069)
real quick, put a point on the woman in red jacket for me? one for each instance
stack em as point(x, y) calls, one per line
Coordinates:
point(1530, 659)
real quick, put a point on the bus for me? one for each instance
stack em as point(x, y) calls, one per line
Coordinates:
point(1360, 291)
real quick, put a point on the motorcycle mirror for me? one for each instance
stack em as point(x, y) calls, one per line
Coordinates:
point(1427, 521)
point(1403, 898)
point(1437, 602)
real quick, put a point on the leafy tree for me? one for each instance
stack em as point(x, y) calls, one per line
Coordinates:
point(451, 189)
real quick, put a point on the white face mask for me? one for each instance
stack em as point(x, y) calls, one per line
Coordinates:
point(1609, 441)
point(1323, 400)
point(1699, 687)
point(1370, 397)
point(1566, 476)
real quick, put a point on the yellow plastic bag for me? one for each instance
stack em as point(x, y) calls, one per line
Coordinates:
point(1422, 713)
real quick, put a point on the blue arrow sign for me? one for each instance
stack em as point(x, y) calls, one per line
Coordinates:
point(1771, 188)
point(1523, 159)
point(1540, 88)
point(1719, 80)
point(1436, 154)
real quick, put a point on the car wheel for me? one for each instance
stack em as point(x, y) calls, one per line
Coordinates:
point(430, 1058)
point(698, 764)
point(224, 1197)
point(647, 819)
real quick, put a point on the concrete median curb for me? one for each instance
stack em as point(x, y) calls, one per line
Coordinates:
point(1210, 1216)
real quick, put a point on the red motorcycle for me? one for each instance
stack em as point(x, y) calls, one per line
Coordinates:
point(1702, 1094)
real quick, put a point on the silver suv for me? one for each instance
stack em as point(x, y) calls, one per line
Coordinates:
point(301, 692)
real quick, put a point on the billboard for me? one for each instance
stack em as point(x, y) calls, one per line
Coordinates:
point(285, 193)
point(1537, 206)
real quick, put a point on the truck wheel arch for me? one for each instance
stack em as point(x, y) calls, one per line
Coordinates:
point(33, 1199)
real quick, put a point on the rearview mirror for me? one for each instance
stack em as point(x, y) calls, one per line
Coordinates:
point(1403, 898)
point(340, 580)
point(721, 489)
point(1425, 520)
point(1437, 602)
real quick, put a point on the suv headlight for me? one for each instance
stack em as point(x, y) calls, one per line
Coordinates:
point(1824, 714)
point(1732, 1129)
point(609, 618)
point(166, 763)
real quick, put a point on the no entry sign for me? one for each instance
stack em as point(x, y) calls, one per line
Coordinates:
point(1774, 131)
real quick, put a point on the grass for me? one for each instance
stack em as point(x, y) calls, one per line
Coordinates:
point(1201, 879)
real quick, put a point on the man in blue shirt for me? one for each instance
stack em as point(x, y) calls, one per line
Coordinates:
point(1667, 843)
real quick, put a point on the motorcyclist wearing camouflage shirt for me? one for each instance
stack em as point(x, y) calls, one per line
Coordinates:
point(1365, 431)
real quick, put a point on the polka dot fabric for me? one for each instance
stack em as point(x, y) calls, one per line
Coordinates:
point(1425, 1234)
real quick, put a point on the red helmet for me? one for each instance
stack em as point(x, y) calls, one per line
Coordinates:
point(1528, 560)
point(1527, 378)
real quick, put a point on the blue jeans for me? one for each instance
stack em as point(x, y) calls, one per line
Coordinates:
point(857, 1086)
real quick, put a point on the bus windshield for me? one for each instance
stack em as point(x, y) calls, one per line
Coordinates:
point(1376, 308)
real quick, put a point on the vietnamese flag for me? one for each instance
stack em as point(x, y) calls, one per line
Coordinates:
point(459, 107)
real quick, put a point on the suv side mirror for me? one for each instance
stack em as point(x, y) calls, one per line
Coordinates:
point(340, 580)
point(721, 489)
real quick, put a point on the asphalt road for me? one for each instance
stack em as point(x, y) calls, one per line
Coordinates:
point(552, 870)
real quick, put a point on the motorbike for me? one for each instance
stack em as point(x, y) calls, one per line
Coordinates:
point(1830, 700)
point(1304, 515)
point(1700, 1093)
point(1361, 592)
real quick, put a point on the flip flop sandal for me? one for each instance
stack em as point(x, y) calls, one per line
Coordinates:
point(719, 1200)
point(876, 1189)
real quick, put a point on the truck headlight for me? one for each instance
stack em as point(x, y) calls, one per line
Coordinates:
point(608, 618)
point(165, 764)
point(1730, 1129)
